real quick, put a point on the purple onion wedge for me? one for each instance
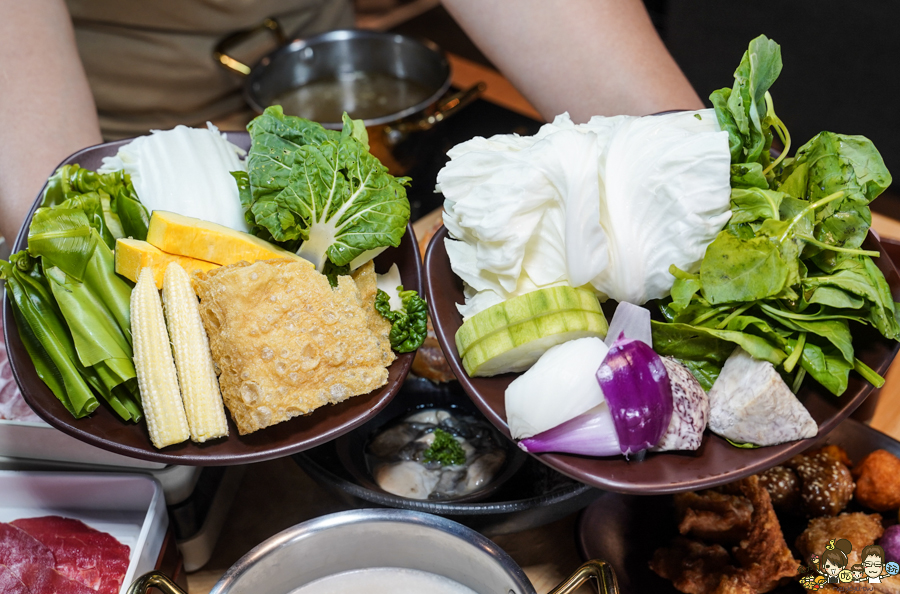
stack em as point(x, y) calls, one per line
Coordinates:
point(590, 434)
point(637, 389)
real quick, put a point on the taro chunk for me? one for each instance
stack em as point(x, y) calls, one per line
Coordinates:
point(750, 403)
point(690, 410)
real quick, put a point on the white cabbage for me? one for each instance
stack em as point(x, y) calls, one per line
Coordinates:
point(610, 205)
point(187, 171)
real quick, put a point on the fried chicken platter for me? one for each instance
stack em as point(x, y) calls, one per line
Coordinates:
point(776, 531)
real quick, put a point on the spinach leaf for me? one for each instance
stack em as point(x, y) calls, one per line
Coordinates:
point(741, 110)
point(753, 204)
point(736, 269)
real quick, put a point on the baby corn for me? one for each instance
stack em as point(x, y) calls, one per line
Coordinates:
point(155, 368)
point(193, 359)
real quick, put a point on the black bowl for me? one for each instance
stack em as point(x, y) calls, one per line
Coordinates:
point(526, 494)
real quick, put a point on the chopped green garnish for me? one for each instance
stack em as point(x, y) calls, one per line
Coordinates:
point(445, 449)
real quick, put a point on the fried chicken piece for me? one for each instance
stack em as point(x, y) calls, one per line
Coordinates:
point(859, 528)
point(734, 584)
point(826, 485)
point(713, 516)
point(764, 557)
point(284, 342)
point(692, 567)
point(878, 481)
point(835, 452)
point(783, 486)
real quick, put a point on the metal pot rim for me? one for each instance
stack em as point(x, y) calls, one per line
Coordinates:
point(259, 69)
point(311, 527)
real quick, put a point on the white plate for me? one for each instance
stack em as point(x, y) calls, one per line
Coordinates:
point(129, 507)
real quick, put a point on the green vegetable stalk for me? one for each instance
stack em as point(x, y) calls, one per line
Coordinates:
point(72, 309)
point(409, 326)
point(787, 275)
point(445, 450)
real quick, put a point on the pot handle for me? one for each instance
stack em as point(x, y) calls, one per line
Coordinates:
point(444, 110)
point(599, 570)
point(154, 579)
point(220, 53)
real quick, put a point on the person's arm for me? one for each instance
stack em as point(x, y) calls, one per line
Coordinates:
point(587, 57)
point(46, 108)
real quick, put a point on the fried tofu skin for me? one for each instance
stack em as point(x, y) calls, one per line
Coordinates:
point(367, 283)
point(285, 342)
point(878, 481)
point(859, 528)
point(713, 516)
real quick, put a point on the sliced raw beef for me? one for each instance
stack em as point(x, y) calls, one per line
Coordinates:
point(10, 582)
point(12, 405)
point(93, 558)
point(33, 563)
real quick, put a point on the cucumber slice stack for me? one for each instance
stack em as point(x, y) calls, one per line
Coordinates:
point(512, 335)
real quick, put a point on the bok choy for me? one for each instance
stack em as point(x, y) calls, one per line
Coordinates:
point(320, 192)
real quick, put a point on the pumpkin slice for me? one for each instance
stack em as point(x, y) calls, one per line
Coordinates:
point(202, 240)
point(132, 255)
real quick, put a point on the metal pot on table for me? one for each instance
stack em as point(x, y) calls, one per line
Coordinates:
point(363, 539)
point(396, 84)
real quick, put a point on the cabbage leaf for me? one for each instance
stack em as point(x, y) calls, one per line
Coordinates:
point(321, 190)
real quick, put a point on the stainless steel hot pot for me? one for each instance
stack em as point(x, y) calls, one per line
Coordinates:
point(367, 538)
point(336, 53)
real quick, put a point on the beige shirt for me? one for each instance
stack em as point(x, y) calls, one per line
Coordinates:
point(150, 64)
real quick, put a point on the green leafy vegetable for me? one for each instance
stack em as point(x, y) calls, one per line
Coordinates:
point(409, 327)
point(73, 310)
point(445, 450)
point(45, 335)
point(320, 190)
point(108, 199)
point(786, 276)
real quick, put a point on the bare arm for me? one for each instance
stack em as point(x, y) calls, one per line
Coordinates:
point(46, 108)
point(587, 57)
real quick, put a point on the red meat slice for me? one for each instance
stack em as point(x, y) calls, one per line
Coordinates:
point(90, 557)
point(10, 582)
point(33, 563)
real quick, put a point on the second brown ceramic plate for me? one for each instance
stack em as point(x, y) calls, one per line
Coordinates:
point(625, 530)
point(106, 430)
point(716, 462)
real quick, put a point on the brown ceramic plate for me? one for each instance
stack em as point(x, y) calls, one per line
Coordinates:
point(716, 462)
point(625, 530)
point(105, 430)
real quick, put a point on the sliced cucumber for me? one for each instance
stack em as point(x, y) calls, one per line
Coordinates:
point(512, 335)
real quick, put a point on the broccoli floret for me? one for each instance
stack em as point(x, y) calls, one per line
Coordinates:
point(408, 326)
